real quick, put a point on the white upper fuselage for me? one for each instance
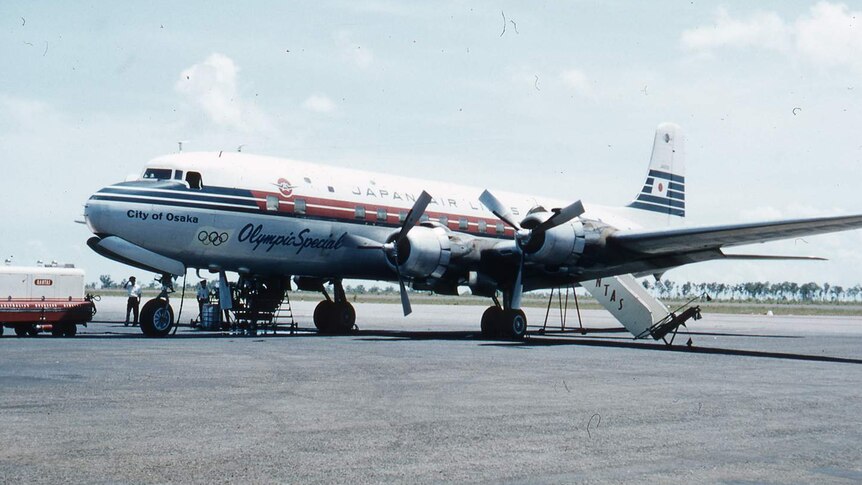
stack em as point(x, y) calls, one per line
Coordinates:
point(247, 201)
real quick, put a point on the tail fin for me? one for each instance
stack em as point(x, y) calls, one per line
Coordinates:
point(664, 189)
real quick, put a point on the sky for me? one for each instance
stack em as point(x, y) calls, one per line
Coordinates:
point(556, 98)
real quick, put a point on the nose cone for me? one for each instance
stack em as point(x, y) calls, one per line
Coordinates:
point(97, 214)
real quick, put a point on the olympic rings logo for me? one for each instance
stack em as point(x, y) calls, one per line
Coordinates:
point(215, 238)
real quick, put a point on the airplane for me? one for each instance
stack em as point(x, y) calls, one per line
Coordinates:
point(269, 219)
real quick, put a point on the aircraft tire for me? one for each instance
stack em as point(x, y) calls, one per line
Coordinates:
point(323, 316)
point(157, 318)
point(343, 317)
point(514, 324)
point(491, 319)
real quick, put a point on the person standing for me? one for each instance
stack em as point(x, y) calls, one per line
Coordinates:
point(134, 301)
point(203, 298)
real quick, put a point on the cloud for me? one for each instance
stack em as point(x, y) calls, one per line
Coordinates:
point(355, 53)
point(829, 34)
point(211, 85)
point(319, 103)
point(577, 81)
point(762, 29)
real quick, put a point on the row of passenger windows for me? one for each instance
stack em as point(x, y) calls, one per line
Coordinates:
point(382, 215)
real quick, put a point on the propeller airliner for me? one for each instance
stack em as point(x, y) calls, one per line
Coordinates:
point(269, 219)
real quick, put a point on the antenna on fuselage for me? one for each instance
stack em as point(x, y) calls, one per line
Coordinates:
point(180, 143)
point(239, 148)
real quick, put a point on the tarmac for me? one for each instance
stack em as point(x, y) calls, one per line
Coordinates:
point(424, 399)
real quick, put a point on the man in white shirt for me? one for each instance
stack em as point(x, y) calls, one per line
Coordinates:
point(134, 301)
point(203, 297)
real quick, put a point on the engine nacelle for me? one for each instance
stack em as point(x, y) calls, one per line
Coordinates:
point(561, 245)
point(424, 253)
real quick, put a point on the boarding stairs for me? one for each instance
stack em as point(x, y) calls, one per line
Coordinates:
point(637, 310)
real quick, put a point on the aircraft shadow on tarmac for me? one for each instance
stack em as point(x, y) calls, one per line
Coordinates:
point(594, 338)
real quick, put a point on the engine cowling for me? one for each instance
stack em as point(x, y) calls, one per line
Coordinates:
point(424, 253)
point(560, 245)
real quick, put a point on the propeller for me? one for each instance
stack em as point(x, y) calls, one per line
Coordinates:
point(391, 247)
point(523, 236)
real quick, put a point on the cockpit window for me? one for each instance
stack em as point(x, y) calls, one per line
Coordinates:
point(158, 174)
point(194, 180)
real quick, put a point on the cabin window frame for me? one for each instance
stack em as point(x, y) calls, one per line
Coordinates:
point(195, 180)
point(272, 203)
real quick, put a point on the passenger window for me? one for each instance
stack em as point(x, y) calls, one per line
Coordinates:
point(483, 226)
point(194, 180)
point(178, 175)
point(424, 218)
point(443, 220)
point(381, 214)
point(402, 216)
point(271, 203)
point(359, 213)
point(500, 229)
point(463, 224)
point(299, 206)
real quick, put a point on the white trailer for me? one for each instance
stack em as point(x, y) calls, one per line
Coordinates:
point(43, 298)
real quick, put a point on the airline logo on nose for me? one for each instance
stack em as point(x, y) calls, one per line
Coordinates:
point(284, 187)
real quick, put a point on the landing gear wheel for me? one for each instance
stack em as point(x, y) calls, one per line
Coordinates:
point(157, 318)
point(343, 317)
point(490, 319)
point(513, 324)
point(334, 318)
point(322, 318)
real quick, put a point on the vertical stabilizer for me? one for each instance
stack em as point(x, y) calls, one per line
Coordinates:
point(663, 191)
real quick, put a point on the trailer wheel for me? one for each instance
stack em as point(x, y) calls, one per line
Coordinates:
point(157, 318)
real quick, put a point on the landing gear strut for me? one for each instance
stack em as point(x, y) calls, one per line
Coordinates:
point(335, 316)
point(504, 322)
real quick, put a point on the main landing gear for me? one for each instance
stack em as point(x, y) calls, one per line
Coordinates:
point(500, 322)
point(335, 316)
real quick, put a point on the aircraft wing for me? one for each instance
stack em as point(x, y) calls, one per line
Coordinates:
point(693, 239)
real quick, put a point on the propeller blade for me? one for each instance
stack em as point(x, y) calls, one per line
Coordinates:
point(498, 208)
point(561, 216)
point(405, 300)
point(414, 215)
point(518, 287)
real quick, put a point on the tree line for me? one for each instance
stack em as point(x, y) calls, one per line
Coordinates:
point(785, 291)
point(788, 291)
